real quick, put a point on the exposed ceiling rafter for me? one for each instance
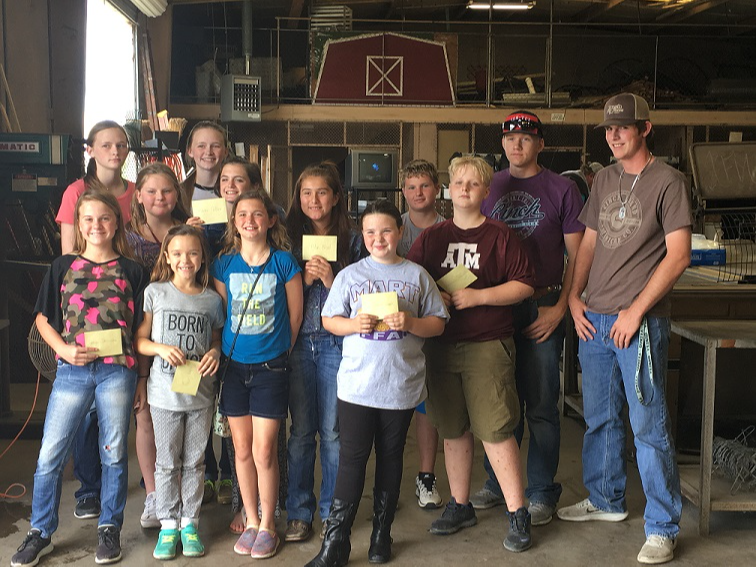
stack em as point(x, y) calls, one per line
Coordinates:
point(595, 9)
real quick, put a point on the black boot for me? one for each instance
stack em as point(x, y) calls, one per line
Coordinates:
point(384, 507)
point(334, 552)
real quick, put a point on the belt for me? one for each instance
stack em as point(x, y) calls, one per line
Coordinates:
point(541, 291)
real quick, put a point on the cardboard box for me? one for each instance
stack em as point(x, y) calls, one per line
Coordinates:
point(715, 257)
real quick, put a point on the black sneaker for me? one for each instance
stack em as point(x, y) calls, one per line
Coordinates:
point(518, 538)
point(109, 547)
point(455, 517)
point(88, 507)
point(34, 547)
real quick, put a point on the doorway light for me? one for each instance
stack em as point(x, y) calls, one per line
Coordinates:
point(481, 5)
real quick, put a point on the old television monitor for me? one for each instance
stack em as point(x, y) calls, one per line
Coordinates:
point(375, 170)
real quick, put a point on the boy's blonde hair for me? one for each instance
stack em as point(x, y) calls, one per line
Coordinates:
point(416, 168)
point(478, 164)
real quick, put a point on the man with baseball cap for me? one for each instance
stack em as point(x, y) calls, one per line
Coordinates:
point(636, 246)
point(542, 208)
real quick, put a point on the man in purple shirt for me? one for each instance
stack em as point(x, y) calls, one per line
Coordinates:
point(542, 207)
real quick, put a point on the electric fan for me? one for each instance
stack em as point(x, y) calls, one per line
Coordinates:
point(42, 356)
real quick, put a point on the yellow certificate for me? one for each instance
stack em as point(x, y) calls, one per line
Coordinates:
point(313, 245)
point(212, 211)
point(187, 378)
point(459, 278)
point(108, 342)
point(380, 304)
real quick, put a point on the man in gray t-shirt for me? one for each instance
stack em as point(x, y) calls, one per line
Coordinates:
point(636, 246)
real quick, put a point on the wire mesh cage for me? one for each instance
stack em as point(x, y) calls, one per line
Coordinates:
point(735, 233)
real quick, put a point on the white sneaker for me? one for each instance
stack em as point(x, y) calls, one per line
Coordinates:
point(427, 498)
point(584, 511)
point(149, 517)
point(657, 549)
point(485, 499)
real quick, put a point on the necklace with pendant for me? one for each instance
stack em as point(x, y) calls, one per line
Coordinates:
point(623, 202)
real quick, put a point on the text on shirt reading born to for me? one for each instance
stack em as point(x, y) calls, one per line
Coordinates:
point(404, 290)
point(462, 253)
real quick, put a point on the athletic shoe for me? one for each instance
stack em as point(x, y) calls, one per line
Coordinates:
point(208, 492)
point(149, 517)
point(425, 490)
point(33, 547)
point(540, 513)
point(266, 545)
point(657, 549)
point(485, 499)
point(297, 530)
point(166, 545)
point(87, 507)
point(455, 517)
point(584, 511)
point(518, 538)
point(225, 489)
point(245, 542)
point(109, 546)
point(191, 545)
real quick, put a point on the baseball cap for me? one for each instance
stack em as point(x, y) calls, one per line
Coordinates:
point(624, 109)
point(595, 166)
point(524, 122)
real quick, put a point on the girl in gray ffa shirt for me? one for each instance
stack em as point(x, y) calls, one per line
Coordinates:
point(183, 319)
point(381, 378)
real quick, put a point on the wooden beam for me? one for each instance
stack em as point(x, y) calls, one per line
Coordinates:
point(688, 11)
point(462, 115)
point(295, 12)
point(595, 9)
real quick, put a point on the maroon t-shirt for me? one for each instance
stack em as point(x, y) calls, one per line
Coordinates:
point(494, 254)
point(541, 209)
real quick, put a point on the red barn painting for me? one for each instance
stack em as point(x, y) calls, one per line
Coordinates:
point(384, 68)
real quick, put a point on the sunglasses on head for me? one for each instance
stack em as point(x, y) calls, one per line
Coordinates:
point(521, 124)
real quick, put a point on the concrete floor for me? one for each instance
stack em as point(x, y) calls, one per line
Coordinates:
point(732, 541)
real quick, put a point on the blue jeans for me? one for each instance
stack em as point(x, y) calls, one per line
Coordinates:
point(608, 382)
point(111, 387)
point(86, 457)
point(314, 364)
point(538, 385)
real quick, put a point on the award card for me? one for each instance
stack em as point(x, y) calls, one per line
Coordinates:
point(458, 278)
point(187, 378)
point(108, 342)
point(212, 211)
point(313, 245)
point(380, 304)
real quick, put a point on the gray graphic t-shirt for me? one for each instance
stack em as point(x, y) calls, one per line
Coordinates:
point(383, 369)
point(186, 321)
point(631, 244)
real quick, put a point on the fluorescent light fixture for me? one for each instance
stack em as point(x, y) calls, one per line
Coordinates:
point(481, 5)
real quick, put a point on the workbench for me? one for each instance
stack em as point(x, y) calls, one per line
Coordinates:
point(698, 486)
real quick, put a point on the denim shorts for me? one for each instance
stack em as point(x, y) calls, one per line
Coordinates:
point(260, 389)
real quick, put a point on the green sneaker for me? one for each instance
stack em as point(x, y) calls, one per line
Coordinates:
point(190, 542)
point(166, 545)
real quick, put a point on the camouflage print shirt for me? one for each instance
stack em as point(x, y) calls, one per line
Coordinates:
point(78, 295)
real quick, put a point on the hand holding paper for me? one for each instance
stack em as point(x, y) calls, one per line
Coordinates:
point(380, 304)
point(212, 211)
point(107, 342)
point(458, 278)
point(187, 378)
point(315, 245)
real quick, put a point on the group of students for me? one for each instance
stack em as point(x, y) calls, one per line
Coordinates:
point(290, 335)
